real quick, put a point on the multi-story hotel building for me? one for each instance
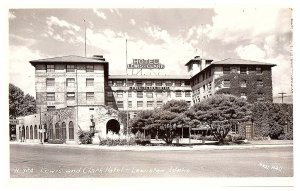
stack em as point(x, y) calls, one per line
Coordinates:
point(146, 92)
point(250, 80)
point(69, 81)
point(74, 92)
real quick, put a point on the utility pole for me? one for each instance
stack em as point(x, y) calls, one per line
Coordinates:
point(84, 38)
point(127, 88)
point(282, 93)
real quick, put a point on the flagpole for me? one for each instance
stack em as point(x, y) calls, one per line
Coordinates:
point(127, 92)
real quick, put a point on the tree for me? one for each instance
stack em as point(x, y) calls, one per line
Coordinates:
point(220, 112)
point(141, 120)
point(19, 104)
point(29, 105)
point(176, 106)
point(166, 123)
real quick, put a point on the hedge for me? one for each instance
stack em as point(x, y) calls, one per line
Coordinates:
point(271, 119)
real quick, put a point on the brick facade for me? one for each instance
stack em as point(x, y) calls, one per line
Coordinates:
point(246, 79)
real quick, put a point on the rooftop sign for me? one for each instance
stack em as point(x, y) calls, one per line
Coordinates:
point(146, 64)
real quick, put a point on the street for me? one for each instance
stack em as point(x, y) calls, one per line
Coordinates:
point(34, 161)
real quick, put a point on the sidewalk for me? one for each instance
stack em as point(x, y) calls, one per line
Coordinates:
point(259, 144)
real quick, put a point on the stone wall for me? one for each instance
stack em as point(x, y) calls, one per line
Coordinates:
point(58, 123)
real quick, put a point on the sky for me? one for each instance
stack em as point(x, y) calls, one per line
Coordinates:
point(174, 36)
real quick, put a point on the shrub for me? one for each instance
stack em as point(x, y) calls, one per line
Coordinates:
point(270, 118)
point(210, 138)
point(275, 131)
point(56, 141)
point(235, 138)
point(112, 139)
point(86, 137)
point(141, 139)
point(260, 138)
point(196, 137)
point(288, 136)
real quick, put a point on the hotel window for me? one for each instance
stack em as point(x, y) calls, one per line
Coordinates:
point(260, 97)
point(258, 70)
point(129, 83)
point(50, 96)
point(159, 103)
point(89, 68)
point(234, 129)
point(149, 103)
point(148, 83)
point(90, 82)
point(187, 94)
point(129, 94)
point(120, 104)
point(89, 96)
point(159, 94)
point(110, 94)
point(70, 68)
point(119, 83)
point(139, 103)
point(158, 83)
point(203, 87)
point(168, 83)
point(70, 95)
point(178, 93)
point(149, 94)
point(209, 86)
point(50, 108)
point(50, 68)
point(70, 82)
point(50, 81)
point(110, 83)
point(139, 94)
point(110, 104)
point(243, 70)
point(120, 94)
point(226, 70)
point(243, 83)
point(243, 95)
point(260, 83)
point(129, 104)
point(209, 73)
point(139, 83)
point(234, 70)
point(226, 83)
point(177, 83)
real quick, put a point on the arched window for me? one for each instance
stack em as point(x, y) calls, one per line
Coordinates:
point(31, 132)
point(71, 130)
point(35, 132)
point(57, 131)
point(51, 131)
point(27, 132)
point(64, 131)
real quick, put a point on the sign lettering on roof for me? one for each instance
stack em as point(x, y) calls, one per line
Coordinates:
point(150, 88)
point(146, 64)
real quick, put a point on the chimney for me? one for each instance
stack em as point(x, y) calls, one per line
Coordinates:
point(98, 57)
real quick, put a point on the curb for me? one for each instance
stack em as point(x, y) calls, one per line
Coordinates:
point(155, 148)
